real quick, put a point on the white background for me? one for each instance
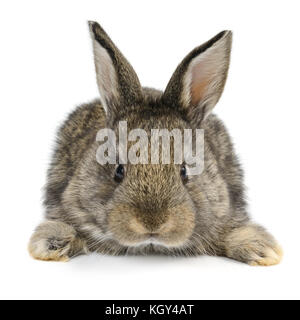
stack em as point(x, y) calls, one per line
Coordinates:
point(46, 69)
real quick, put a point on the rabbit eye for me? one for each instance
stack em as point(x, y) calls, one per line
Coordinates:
point(119, 173)
point(183, 173)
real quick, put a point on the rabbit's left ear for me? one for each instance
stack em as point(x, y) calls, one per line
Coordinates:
point(198, 82)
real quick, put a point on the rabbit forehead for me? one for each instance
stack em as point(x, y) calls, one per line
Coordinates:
point(143, 118)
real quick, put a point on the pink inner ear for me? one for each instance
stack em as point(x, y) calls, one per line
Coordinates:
point(200, 82)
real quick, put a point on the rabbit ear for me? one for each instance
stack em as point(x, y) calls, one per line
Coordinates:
point(118, 83)
point(198, 81)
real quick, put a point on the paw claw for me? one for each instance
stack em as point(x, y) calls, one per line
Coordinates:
point(52, 241)
point(254, 245)
point(41, 251)
point(270, 257)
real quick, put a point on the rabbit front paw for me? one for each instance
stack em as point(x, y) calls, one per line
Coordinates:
point(253, 245)
point(54, 241)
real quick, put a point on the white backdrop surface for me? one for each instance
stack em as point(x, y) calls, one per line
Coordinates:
point(46, 69)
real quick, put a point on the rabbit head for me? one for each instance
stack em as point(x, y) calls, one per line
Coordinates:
point(143, 203)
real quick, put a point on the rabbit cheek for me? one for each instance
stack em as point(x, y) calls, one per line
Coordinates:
point(179, 227)
point(124, 226)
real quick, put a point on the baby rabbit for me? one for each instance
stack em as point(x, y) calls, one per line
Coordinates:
point(150, 208)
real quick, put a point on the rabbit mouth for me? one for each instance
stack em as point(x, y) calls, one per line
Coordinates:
point(153, 240)
point(156, 240)
point(167, 235)
point(132, 228)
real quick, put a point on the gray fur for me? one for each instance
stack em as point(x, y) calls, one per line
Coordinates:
point(87, 211)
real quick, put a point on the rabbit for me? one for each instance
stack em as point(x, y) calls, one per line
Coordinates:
point(150, 209)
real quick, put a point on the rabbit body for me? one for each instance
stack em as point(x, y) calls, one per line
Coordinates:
point(152, 210)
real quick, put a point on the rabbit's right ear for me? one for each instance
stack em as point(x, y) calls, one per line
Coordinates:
point(118, 83)
point(198, 81)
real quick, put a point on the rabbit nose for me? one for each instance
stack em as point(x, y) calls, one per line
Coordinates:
point(153, 224)
point(150, 227)
point(152, 234)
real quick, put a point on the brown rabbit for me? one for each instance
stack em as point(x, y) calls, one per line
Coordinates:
point(150, 208)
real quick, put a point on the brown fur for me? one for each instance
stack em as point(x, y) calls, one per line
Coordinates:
point(86, 210)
